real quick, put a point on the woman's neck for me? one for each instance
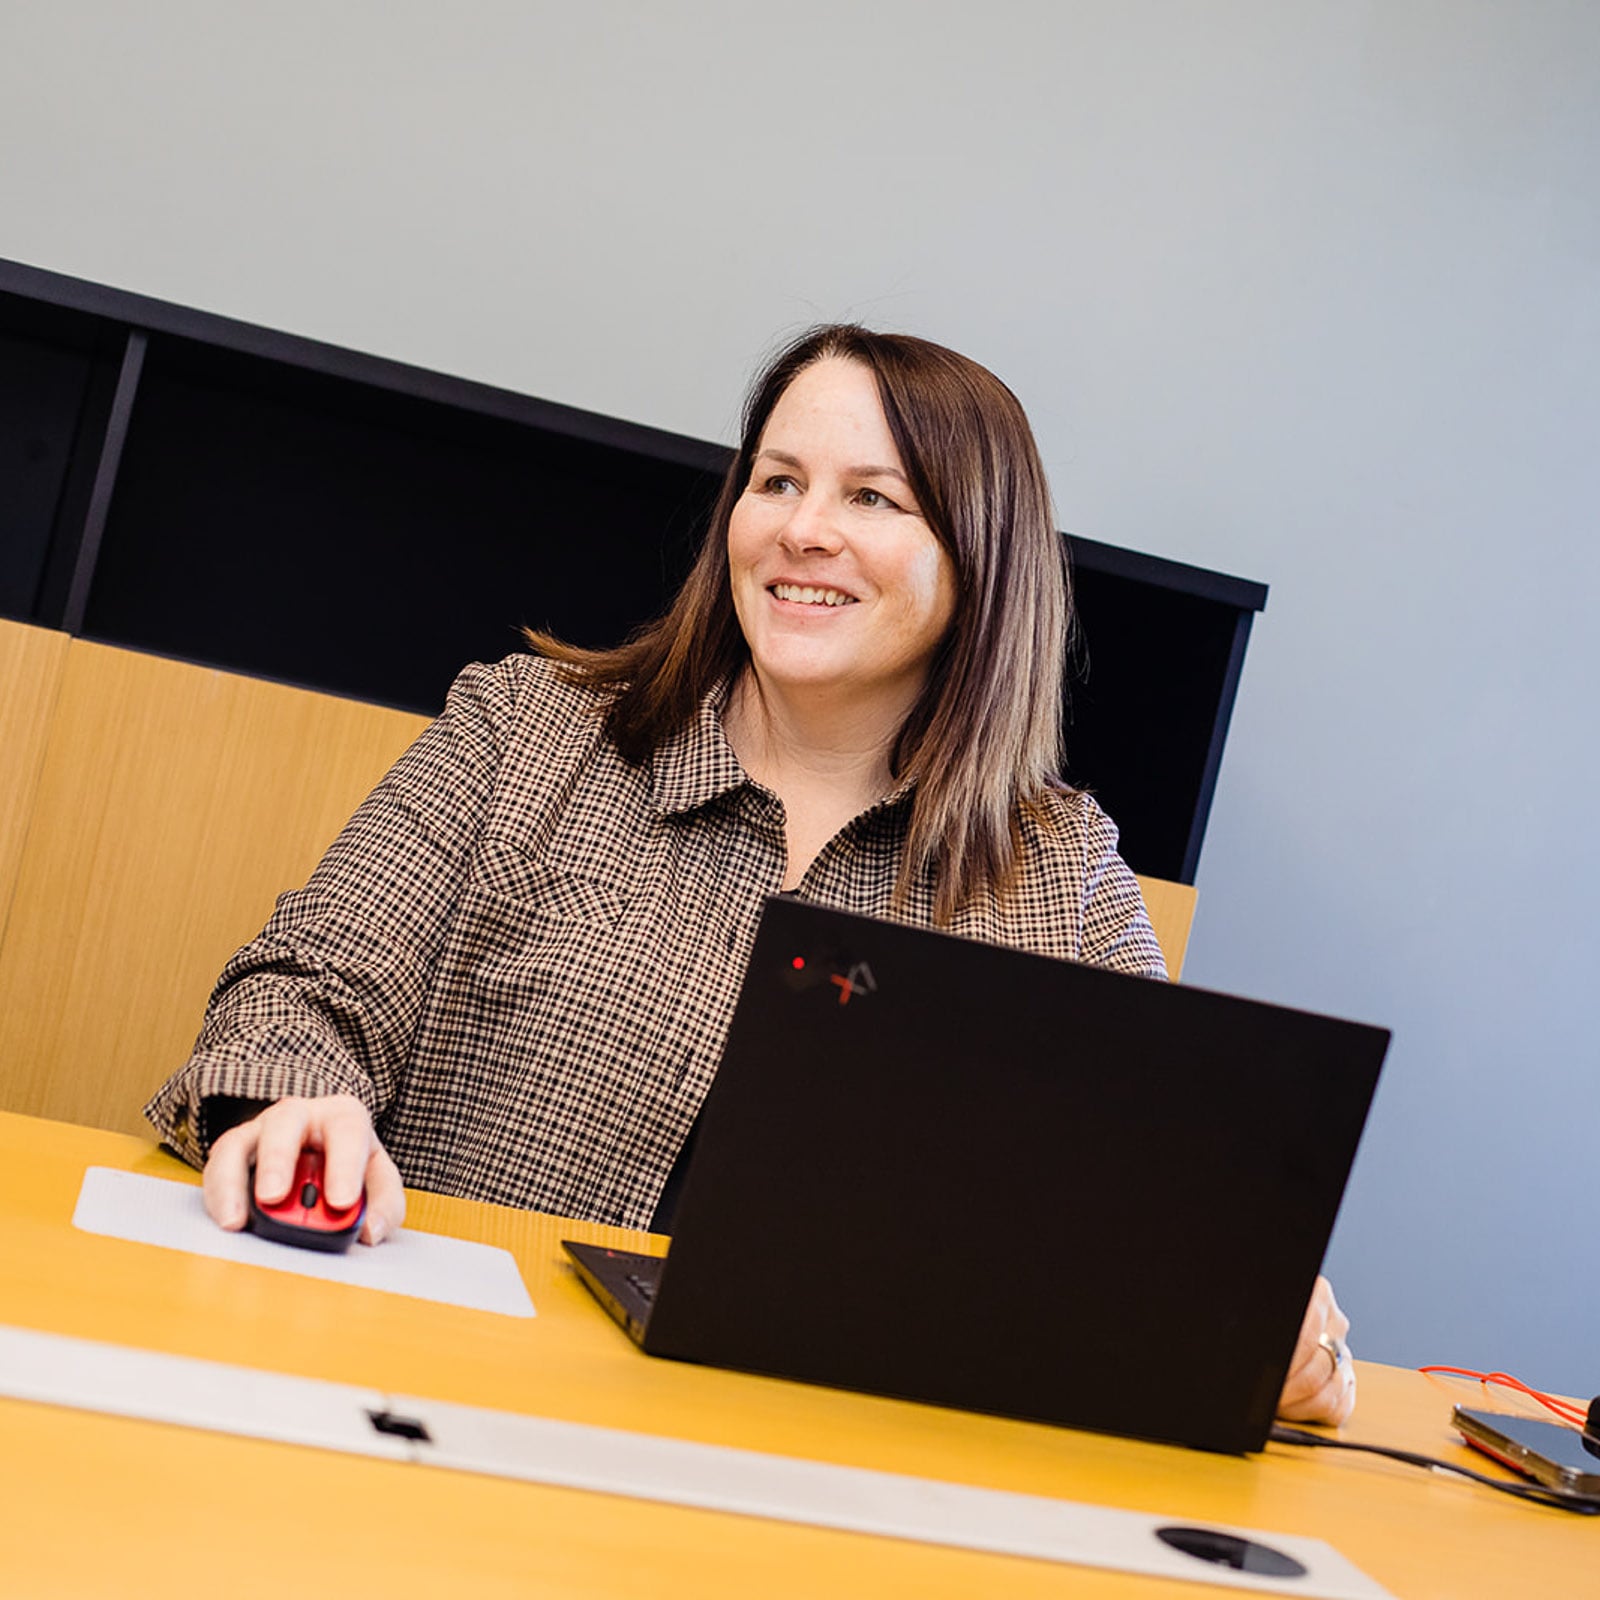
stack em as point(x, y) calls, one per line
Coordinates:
point(812, 746)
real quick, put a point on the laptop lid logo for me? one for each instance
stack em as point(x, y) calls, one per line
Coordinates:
point(847, 976)
point(858, 980)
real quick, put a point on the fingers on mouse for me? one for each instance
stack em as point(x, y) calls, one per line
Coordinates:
point(304, 1217)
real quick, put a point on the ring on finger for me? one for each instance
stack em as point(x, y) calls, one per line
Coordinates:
point(1338, 1352)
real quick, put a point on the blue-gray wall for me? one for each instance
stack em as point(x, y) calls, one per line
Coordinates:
point(1307, 290)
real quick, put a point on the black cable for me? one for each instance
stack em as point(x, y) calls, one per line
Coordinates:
point(1584, 1505)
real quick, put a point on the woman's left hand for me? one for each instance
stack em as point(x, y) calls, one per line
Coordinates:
point(1321, 1386)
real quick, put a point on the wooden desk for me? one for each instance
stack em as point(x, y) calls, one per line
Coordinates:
point(96, 1505)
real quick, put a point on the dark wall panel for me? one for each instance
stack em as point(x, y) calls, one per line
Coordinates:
point(42, 389)
point(1154, 665)
point(263, 522)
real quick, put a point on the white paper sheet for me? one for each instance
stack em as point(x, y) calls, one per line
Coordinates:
point(205, 1394)
point(427, 1266)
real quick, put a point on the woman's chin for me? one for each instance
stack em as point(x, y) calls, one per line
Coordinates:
point(801, 666)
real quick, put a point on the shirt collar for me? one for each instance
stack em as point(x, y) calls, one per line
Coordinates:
point(697, 764)
point(901, 792)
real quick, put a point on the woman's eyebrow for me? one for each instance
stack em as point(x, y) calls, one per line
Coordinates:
point(783, 458)
point(878, 472)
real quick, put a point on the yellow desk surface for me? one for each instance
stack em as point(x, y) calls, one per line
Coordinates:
point(95, 1505)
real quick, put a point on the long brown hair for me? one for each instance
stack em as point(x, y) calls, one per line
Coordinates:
point(984, 739)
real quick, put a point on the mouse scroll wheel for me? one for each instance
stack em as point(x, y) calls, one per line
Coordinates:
point(308, 1196)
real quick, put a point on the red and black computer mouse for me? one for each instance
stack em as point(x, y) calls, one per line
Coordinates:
point(303, 1217)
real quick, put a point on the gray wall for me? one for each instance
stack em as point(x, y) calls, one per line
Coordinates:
point(1304, 291)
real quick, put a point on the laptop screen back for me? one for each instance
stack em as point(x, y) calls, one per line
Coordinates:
point(961, 1174)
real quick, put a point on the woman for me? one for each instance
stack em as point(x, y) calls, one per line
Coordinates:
point(519, 959)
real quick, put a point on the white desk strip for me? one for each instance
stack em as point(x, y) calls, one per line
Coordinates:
point(203, 1394)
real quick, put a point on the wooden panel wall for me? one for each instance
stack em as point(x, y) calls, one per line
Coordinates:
point(1171, 908)
point(151, 814)
point(173, 804)
point(31, 664)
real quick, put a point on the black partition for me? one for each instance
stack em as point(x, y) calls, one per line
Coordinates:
point(300, 526)
point(202, 488)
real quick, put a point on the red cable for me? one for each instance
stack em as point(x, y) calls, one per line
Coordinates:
point(1569, 1413)
point(1562, 1408)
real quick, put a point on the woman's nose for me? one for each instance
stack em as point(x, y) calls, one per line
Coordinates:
point(810, 527)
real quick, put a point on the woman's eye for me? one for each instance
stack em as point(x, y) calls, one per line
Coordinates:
point(872, 499)
point(778, 483)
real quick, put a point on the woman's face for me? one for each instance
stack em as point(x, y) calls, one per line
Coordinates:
point(839, 583)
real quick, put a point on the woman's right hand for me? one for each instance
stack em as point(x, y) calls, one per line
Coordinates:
point(338, 1125)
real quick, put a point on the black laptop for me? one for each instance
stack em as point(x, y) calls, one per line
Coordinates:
point(957, 1173)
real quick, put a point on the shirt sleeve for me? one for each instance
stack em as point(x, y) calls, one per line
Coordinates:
point(327, 998)
point(1116, 928)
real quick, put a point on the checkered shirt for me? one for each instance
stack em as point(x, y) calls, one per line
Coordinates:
point(522, 953)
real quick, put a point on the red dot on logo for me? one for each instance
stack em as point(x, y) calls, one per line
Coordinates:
point(799, 963)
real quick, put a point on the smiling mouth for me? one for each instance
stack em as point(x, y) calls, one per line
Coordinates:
point(807, 596)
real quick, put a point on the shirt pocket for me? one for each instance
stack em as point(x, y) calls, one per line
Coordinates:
point(556, 970)
point(507, 872)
